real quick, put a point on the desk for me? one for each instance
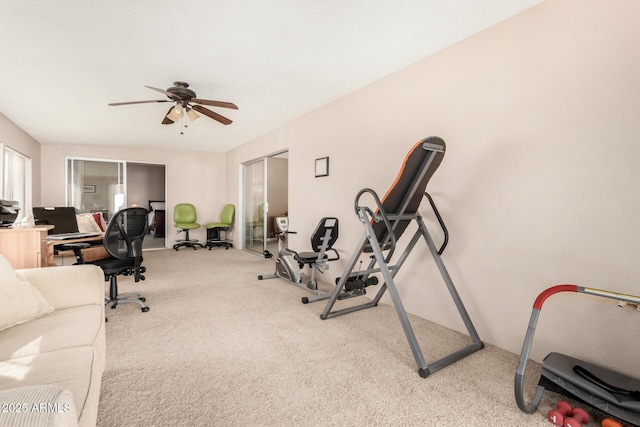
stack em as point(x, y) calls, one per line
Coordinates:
point(90, 254)
point(26, 247)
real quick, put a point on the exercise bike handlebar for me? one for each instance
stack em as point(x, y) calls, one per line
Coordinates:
point(283, 234)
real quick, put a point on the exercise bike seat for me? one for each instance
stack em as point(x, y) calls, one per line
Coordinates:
point(310, 257)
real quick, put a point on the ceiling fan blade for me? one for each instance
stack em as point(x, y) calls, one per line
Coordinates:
point(215, 103)
point(169, 94)
point(138, 102)
point(167, 120)
point(214, 116)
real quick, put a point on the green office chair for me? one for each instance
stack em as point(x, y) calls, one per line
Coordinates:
point(214, 229)
point(184, 215)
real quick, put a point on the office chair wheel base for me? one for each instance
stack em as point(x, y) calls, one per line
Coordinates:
point(145, 309)
point(143, 299)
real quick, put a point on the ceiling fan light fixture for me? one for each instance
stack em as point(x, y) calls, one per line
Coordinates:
point(176, 113)
point(186, 100)
point(192, 114)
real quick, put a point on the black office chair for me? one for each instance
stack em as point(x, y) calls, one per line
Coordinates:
point(123, 242)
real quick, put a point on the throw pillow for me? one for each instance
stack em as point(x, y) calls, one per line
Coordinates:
point(86, 223)
point(99, 219)
point(19, 300)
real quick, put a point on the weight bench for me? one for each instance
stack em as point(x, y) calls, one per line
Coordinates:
point(382, 230)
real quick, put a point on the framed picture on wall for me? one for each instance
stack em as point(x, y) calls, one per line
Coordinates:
point(88, 188)
point(322, 166)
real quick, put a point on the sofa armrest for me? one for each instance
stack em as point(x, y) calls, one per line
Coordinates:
point(45, 405)
point(68, 286)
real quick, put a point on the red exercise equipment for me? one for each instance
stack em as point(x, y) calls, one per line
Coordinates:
point(556, 416)
point(566, 416)
point(578, 417)
point(610, 422)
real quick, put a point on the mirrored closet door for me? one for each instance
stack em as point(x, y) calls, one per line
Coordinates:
point(265, 195)
point(106, 186)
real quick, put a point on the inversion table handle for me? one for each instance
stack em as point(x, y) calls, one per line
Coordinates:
point(444, 227)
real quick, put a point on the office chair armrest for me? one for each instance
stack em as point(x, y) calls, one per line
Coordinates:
point(77, 250)
point(73, 246)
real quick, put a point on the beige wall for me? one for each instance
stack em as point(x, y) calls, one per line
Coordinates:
point(192, 177)
point(539, 185)
point(22, 142)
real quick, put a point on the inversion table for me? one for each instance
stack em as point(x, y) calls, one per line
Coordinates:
point(611, 392)
point(382, 230)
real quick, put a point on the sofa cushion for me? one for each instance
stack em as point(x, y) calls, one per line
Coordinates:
point(69, 327)
point(19, 301)
point(72, 369)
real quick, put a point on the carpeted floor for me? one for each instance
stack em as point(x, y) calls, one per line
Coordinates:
point(220, 348)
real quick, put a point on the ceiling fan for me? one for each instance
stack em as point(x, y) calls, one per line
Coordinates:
point(186, 103)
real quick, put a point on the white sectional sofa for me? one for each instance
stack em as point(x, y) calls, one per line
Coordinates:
point(51, 363)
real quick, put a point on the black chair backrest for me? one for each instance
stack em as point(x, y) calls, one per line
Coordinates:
point(325, 224)
point(123, 237)
point(407, 190)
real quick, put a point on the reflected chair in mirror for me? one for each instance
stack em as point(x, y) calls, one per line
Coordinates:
point(257, 226)
point(184, 216)
point(123, 242)
point(215, 228)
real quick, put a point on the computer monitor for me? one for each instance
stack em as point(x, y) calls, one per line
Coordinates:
point(8, 212)
point(62, 218)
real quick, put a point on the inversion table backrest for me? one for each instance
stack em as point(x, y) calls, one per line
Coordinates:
point(407, 190)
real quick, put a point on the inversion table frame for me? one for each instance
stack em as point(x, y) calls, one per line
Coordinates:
point(558, 372)
point(382, 230)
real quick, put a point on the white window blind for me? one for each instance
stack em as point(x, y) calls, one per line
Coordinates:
point(17, 179)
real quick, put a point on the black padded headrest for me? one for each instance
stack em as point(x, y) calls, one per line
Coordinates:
point(328, 223)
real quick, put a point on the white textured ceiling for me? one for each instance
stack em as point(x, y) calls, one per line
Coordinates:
point(62, 62)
